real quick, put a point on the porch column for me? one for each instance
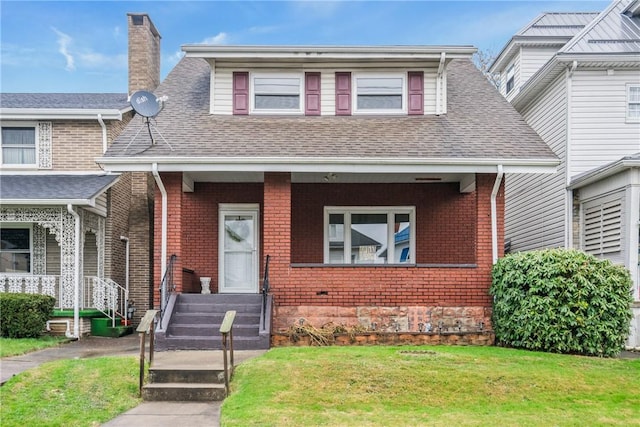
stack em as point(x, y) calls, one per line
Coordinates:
point(173, 185)
point(277, 227)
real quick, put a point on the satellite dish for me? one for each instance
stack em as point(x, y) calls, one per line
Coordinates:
point(145, 103)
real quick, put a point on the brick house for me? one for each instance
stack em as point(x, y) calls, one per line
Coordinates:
point(69, 229)
point(370, 176)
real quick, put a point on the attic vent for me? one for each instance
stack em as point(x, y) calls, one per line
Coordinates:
point(137, 19)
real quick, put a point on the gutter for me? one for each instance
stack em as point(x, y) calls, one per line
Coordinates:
point(104, 133)
point(494, 215)
point(443, 56)
point(76, 288)
point(61, 113)
point(163, 238)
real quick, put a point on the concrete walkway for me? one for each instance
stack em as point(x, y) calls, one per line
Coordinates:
point(160, 414)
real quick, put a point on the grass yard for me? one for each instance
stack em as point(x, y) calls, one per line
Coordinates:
point(17, 346)
point(439, 386)
point(77, 392)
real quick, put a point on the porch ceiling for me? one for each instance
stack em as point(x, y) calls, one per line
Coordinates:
point(329, 177)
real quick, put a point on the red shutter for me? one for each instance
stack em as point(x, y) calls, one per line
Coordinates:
point(343, 94)
point(241, 93)
point(312, 94)
point(415, 100)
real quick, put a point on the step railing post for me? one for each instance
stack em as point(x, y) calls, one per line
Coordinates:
point(146, 326)
point(226, 329)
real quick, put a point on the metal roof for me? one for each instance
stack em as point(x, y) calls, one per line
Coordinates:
point(558, 24)
point(50, 189)
point(613, 31)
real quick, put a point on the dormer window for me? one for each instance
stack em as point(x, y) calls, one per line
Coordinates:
point(511, 78)
point(381, 93)
point(276, 93)
point(18, 145)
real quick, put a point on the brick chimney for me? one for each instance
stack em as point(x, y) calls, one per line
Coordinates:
point(144, 53)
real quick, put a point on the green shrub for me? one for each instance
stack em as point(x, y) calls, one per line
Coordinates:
point(561, 301)
point(24, 315)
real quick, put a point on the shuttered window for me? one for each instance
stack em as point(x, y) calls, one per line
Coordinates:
point(241, 93)
point(415, 104)
point(602, 226)
point(312, 94)
point(343, 94)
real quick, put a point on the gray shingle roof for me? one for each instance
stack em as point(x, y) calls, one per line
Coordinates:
point(479, 124)
point(53, 187)
point(611, 32)
point(98, 101)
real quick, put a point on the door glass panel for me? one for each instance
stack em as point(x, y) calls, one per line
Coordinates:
point(238, 233)
point(238, 270)
point(239, 252)
point(369, 238)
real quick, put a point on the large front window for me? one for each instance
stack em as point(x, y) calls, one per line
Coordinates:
point(15, 249)
point(18, 145)
point(277, 93)
point(379, 93)
point(369, 235)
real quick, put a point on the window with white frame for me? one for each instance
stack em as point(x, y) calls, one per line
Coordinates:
point(633, 103)
point(369, 235)
point(511, 78)
point(381, 93)
point(15, 249)
point(18, 145)
point(277, 93)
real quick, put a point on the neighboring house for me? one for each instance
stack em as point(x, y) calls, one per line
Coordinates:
point(575, 78)
point(370, 175)
point(67, 226)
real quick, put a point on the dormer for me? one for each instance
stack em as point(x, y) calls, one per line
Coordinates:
point(533, 46)
point(328, 80)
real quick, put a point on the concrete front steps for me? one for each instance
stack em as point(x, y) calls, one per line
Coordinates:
point(195, 323)
point(189, 376)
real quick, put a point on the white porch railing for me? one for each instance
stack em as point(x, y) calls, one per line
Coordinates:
point(32, 284)
point(107, 296)
point(104, 295)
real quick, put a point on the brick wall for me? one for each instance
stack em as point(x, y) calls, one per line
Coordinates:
point(75, 145)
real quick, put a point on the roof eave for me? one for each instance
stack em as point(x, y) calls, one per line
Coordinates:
point(603, 172)
point(509, 50)
point(329, 53)
point(61, 113)
point(315, 164)
point(49, 202)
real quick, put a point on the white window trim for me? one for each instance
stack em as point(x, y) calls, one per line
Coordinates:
point(13, 124)
point(628, 117)
point(511, 69)
point(21, 225)
point(347, 211)
point(354, 91)
point(252, 94)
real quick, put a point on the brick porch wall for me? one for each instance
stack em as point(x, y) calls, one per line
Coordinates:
point(454, 229)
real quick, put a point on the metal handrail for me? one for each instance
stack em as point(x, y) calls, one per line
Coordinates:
point(167, 286)
point(265, 291)
point(226, 329)
point(106, 296)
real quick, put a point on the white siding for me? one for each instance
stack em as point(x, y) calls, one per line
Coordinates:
point(223, 81)
point(101, 205)
point(535, 204)
point(222, 91)
point(531, 60)
point(599, 131)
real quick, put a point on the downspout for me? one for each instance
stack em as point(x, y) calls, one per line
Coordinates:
point(126, 268)
point(494, 215)
point(568, 233)
point(163, 238)
point(104, 133)
point(439, 82)
point(76, 288)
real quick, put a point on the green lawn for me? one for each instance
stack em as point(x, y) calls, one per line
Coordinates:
point(17, 346)
point(415, 386)
point(76, 392)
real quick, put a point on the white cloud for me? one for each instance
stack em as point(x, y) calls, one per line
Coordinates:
point(220, 38)
point(64, 41)
point(92, 59)
point(173, 59)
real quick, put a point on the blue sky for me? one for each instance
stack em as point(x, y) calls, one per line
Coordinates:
point(81, 46)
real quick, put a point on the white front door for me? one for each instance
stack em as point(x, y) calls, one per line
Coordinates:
point(238, 248)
